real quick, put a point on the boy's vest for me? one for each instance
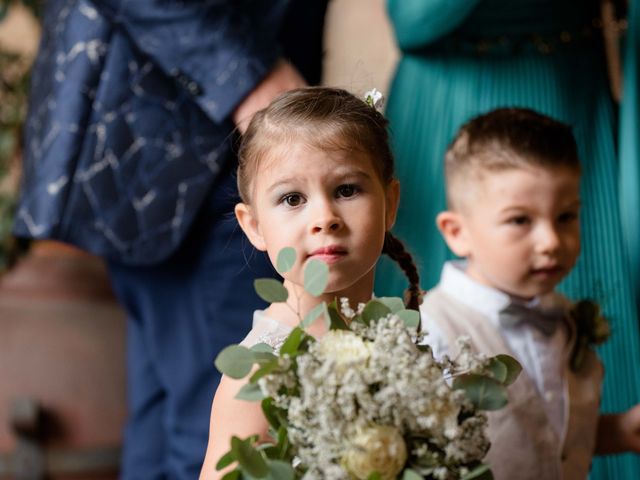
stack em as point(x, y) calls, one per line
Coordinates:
point(524, 445)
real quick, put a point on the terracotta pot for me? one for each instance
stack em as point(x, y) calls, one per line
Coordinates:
point(62, 349)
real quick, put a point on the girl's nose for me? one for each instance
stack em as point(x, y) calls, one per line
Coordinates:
point(326, 219)
point(548, 240)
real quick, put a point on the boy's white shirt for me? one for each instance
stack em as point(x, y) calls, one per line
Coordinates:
point(541, 357)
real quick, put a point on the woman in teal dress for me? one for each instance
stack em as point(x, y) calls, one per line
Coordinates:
point(461, 58)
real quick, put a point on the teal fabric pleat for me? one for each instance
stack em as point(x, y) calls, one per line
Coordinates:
point(440, 84)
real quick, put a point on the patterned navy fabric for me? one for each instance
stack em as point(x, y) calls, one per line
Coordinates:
point(129, 123)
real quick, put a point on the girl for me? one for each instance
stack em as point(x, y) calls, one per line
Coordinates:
point(315, 173)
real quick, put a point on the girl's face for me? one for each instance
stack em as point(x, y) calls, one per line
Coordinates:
point(331, 206)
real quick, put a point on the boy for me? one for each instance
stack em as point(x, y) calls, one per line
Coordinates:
point(512, 179)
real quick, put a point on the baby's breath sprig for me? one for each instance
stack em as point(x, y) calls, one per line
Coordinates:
point(374, 98)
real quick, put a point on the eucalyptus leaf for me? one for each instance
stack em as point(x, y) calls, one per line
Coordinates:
point(233, 475)
point(270, 290)
point(250, 392)
point(265, 369)
point(336, 322)
point(286, 259)
point(374, 476)
point(235, 361)
point(263, 358)
point(318, 310)
point(316, 277)
point(262, 347)
point(485, 393)
point(513, 368)
point(409, 474)
point(395, 304)
point(226, 460)
point(411, 318)
point(279, 470)
point(290, 345)
point(249, 458)
point(497, 369)
point(374, 310)
point(481, 472)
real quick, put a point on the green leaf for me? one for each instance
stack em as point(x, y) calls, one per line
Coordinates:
point(250, 392)
point(265, 369)
point(411, 318)
point(374, 476)
point(262, 347)
point(249, 458)
point(411, 475)
point(395, 304)
point(485, 393)
point(316, 277)
point(226, 460)
point(290, 345)
point(336, 322)
point(497, 369)
point(270, 290)
point(318, 310)
point(374, 310)
point(235, 361)
point(481, 472)
point(513, 368)
point(263, 358)
point(233, 475)
point(279, 470)
point(286, 259)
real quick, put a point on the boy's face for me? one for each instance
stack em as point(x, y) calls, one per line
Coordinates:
point(519, 229)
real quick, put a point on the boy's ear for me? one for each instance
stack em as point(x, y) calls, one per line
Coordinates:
point(249, 224)
point(453, 229)
point(392, 200)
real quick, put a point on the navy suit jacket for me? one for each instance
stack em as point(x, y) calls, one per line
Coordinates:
point(129, 116)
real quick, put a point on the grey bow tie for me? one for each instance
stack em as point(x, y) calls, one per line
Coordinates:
point(545, 320)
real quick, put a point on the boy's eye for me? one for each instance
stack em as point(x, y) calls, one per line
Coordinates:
point(519, 220)
point(292, 199)
point(347, 190)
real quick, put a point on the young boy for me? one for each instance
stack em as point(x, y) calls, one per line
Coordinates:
point(512, 179)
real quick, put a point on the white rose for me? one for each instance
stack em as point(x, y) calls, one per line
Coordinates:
point(376, 449)
point(345, 348)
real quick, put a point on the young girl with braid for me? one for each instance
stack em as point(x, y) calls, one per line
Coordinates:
point(315, 174)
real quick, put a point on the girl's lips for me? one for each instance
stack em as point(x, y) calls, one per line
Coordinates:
point(548, 271)
point(329, 255)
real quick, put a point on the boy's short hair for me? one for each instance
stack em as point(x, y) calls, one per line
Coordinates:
point(504, 139)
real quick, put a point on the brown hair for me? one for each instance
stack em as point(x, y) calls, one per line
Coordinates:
point(503, 139)
point(328, 119)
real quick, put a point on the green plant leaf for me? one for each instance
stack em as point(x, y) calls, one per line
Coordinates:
point(409, 474)
point(497, 369)
point(233, 475)
point(286, 259)
point(263, 358)
point(481, 472)
point(265, 369)
point(316, 277)
point(226, 460)
point(249, 458)
point(272, 413)
point(279, 470)
point(485, 393)
point(290, 345)
point(374, 310)
point(318, 310)
point(335, 322)
point(270, 290)
point(395, 304)
point(513, 368)
point(411, 318)
point(374, 476)
point(235, 361)
point(250, 392)
point(262, 347)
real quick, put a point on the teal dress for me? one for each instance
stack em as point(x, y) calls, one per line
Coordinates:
point(461, 58)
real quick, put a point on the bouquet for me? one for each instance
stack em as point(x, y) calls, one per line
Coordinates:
point(366, 401)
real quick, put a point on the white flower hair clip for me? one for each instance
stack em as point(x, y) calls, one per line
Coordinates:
point(374, 98)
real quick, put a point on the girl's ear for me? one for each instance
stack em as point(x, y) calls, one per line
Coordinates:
point(392, 202)
point(453, 229)
point(249, 224)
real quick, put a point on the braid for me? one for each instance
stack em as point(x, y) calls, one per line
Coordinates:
point(394, 248)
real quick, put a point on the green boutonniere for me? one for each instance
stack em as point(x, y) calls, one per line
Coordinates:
point(592, 328)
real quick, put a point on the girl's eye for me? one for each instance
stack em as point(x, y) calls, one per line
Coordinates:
point(519, 220)
point(347, 190)
point(292, 199)
point(567, 217)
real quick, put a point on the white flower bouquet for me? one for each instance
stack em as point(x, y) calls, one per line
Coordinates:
point(366, 401)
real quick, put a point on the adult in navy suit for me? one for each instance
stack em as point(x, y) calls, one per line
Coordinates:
point(128, 154)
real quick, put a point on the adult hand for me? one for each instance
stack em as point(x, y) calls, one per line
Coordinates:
point(281, 78)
